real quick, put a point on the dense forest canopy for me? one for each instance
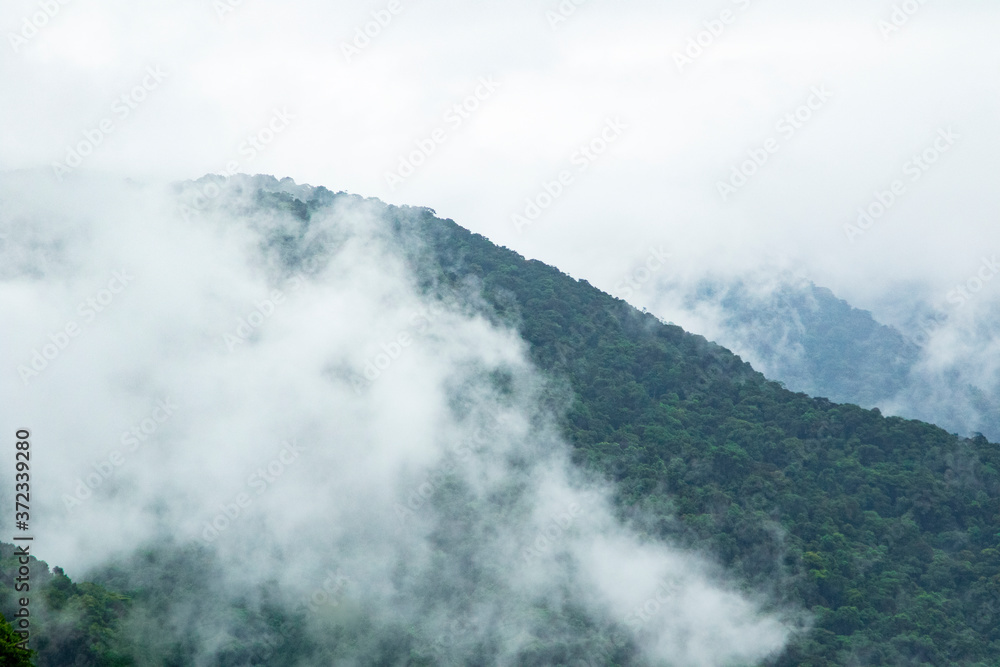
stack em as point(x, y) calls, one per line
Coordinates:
point(885, 531)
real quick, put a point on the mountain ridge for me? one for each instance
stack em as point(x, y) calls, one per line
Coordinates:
point(886, 530)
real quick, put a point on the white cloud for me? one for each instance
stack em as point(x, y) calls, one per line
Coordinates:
point(354, 426)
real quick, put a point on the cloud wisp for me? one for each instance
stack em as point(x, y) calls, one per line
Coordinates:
point(432, 499)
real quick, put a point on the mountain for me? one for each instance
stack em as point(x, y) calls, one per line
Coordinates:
point(805, 337)
point(875, 539)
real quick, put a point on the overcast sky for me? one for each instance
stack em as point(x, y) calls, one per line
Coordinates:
point(331, 106)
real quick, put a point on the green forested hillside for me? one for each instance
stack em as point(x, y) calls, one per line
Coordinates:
point(71, 624)
point(886, 530)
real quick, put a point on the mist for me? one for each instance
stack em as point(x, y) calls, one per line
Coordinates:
point(876, 123)
point(920, 356)
point(286, 411)
point(227, 68)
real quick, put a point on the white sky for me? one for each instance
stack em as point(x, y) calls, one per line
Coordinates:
point(655, 185)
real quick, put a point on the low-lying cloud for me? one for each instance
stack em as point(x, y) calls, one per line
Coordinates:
point(275, 390)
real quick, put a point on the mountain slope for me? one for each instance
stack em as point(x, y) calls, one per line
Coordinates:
point(890, 526)
point(886, 530)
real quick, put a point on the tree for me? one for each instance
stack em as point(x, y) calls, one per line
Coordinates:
point(11, 655)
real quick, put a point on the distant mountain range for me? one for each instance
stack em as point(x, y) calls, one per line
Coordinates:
point(802, 335)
